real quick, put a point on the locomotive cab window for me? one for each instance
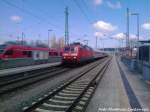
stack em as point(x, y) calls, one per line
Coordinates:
point(66, 49)
point(72, 49)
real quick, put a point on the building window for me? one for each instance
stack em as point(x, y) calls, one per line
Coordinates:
point(144, 53)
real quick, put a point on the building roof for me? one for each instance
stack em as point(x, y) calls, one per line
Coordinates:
point(144, 41)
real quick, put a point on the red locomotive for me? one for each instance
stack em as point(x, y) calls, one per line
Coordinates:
point(19, 51)
point(77, 53)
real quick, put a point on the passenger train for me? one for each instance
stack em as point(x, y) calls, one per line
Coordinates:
point(20, 51)
point(78, 53)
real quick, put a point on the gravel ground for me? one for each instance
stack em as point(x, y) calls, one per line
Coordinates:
point(14, 101)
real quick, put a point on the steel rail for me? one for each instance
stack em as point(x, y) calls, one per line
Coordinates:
point(17, 84)
point(62, 87)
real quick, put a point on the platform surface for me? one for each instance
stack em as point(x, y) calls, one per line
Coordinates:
point(113, 93)
point(140, 87)
point(10, 71)
point(110, 92)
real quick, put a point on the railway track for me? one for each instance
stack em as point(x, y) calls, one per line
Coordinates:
point(73, 95)
point(29, 78)
point(20, 80)
point(17, 76)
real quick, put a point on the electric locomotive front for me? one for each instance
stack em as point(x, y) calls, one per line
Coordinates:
point(71, 54)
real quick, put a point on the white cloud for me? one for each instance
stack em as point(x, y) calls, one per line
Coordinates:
point(16, 18)
point(119, 36)
point(99, 34)
point(133, 37)
point(104, 26)
point(98, 2)
point(146, 26)
point(117, 5)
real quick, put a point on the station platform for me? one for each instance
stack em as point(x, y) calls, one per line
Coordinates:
point(140, 87)
point(120, 90)
point(6, 72)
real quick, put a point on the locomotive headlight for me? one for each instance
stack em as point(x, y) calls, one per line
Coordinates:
point(74, 57)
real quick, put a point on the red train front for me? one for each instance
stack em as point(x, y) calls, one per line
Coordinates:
point(77, 53)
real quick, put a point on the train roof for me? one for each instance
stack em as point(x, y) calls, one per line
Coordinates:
point(8, 46)
point(78, 44)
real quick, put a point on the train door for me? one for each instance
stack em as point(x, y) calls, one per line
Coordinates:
point(46, 55)
point(35, 55)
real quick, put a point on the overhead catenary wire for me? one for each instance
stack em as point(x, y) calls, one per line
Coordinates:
point(85, 5)
point(82, 11)
point(29, 13)
point(42, 19)
point(45, 13)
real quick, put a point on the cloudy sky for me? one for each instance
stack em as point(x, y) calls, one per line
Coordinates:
point(87, 19)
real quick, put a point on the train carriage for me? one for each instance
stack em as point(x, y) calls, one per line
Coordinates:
point(19, 51)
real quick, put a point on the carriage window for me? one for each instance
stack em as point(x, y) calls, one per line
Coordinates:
point(144, 53)
point(9, 52)
point(25, 52)
point(29, 54)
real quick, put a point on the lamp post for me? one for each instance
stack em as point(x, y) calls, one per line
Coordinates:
point(96, 41)
point(49, 37)
point(138, 28)
point(22, 37)
point(127, 33)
